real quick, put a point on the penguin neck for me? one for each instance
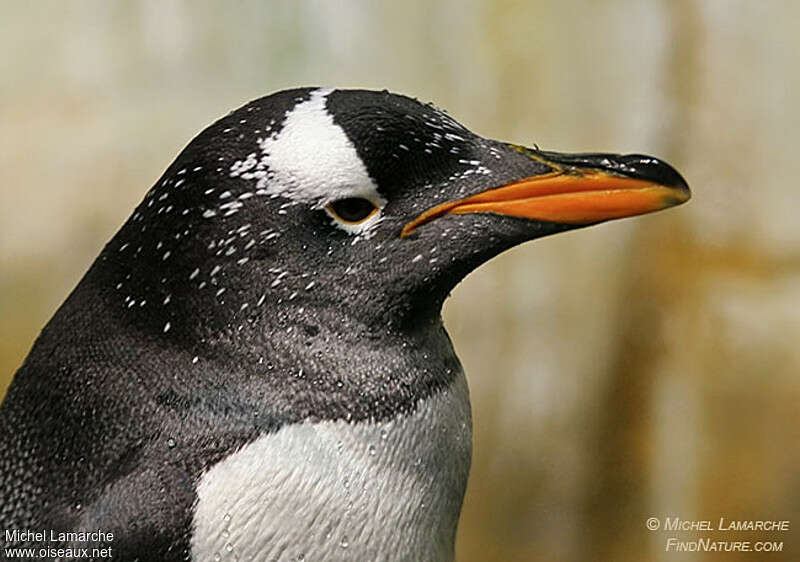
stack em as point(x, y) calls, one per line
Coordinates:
point(291, 359)
point(328, 365)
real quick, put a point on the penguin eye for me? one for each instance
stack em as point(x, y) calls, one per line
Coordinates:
point(353, 210)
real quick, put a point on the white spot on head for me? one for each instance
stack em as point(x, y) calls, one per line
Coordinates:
point(311, 160)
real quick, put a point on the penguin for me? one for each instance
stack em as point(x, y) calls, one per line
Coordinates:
point(255, 366)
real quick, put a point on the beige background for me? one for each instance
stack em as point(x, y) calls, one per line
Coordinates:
point(649, 367)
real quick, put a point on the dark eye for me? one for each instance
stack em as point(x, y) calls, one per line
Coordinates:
point(352, 210)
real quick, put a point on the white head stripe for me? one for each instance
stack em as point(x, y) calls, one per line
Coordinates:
point(312, 160)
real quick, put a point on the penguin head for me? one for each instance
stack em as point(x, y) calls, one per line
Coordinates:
point(366, 205)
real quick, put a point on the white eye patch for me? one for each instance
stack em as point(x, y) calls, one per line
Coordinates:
point(356, 215)
point(311, 160)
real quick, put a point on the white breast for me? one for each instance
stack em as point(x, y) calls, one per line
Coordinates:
point(386, 491)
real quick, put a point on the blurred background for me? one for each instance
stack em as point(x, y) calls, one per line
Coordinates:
point(642, 368)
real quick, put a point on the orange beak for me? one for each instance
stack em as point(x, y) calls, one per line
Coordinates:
point(577, 195)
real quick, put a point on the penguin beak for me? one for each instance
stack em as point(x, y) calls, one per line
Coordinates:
point(575, 189)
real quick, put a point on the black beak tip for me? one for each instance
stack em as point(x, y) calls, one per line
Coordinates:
point(652, 169)
point(637, 166)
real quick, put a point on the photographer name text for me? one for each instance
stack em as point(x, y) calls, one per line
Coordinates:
point(28, 535)
point(722, 524)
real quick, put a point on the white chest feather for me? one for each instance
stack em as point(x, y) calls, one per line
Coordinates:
point(328, 491)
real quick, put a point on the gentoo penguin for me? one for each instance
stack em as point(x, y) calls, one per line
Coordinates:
point(255, 367)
